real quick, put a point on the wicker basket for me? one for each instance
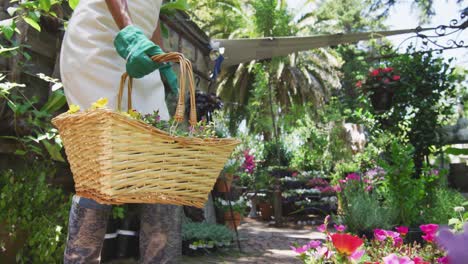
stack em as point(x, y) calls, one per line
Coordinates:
point(116, 159)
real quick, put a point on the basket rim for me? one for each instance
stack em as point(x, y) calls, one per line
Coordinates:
point(106, 111)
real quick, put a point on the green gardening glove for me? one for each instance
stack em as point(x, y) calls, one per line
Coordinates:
point(170, 76)
point(132, 45)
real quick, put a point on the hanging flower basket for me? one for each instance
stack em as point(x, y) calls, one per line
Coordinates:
point(380, 86)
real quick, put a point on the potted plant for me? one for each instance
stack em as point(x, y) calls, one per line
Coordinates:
point(203, 237)
point(224, 181)
point(232, 218)
point(265, 205)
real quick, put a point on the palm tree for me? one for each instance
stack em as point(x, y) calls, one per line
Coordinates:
point(304, 78)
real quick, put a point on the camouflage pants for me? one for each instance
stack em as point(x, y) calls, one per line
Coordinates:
point(160, 232)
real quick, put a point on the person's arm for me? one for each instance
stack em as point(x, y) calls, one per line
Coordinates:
point(119, 11)
point(157, 37)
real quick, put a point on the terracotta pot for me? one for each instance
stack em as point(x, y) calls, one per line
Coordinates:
point(12, 244)
point(266, 210)
point(224, 184)
point(232, 219)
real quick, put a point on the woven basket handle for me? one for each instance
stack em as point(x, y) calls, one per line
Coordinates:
point(185, 72)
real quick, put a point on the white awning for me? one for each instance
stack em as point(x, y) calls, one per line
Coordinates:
point(244, 50)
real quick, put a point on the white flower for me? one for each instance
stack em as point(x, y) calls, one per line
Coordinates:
point(459, 209)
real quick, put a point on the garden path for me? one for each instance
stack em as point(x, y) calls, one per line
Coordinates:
point(261, 243)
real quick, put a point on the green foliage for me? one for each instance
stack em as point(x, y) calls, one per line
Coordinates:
point(422, 103)
point(346, 16)
point(32, 124)
point(275, 153)
point(364, 211)
point(25, 197)
point(401, 189)
point(442, 208)
point(192, 231)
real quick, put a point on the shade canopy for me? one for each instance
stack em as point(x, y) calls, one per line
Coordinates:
point(237, 51)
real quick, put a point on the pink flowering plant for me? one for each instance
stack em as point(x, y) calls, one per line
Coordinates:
point(385, 247)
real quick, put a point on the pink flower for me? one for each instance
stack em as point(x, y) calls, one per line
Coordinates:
point(353, 176)
point(374, 72)
point(322, 228)
point(342, 181)
point(337, 188)
point(294, 174)
point(443, 260)
point(392, 234)
point(323, 252)
point(386, 80)
point(340, 228)
point(300, 250)
point(357, 255)
point(306, 247)
point(396, 77)
point(403, 230)
point(429, 228)
point(380, 234)
point(397, 241)
point(368, 188)
point(394, 259)
point(359, 84)
point(327, 219)
point(314, 244)
point(429, 237)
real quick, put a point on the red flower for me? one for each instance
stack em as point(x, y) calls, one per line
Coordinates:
point(359, 84)
point(403, 230)
point(374, 72)
point(346, 244)
point(389, 69)
point(419, 260)
point(396, 77)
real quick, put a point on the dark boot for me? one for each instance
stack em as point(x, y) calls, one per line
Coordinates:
point(160, 234)
point(86, 231)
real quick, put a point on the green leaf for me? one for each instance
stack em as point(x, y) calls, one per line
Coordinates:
point(56, 101)
point(171, 7)
point(164, 31)
point(454, 221)
point(20, 152)
point(8, 32)
point(54, 150)
point(32, 23)
point(73, 3)
point(12, 10)
point(45, 4)
point(456, 151)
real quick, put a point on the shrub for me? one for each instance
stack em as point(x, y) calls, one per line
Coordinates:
point(28, 204)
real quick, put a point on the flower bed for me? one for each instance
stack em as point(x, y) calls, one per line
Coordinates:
point(387, 247)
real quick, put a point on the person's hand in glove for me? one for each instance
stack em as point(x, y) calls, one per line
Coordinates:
point(170, 76)
point(132, 45)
